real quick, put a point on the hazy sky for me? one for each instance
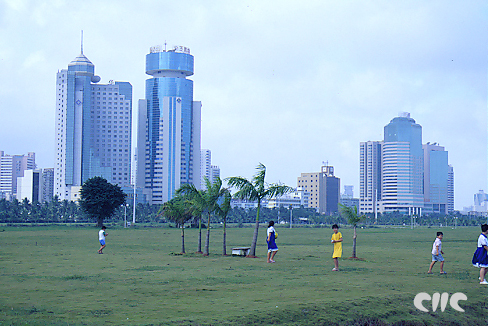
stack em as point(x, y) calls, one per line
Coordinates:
point(287, 83)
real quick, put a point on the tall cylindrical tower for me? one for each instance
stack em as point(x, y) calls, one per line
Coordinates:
point(171, 131)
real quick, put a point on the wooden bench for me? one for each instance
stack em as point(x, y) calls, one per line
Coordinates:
point(240, 251)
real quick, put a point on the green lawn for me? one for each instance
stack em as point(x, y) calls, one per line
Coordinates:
point(54, 276)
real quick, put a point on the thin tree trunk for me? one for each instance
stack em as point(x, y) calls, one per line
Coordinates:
point(252, 252)
point(183, 238)
point(99, 221)
point(224, 244)
point(199, 235)
point(207, 240)
point(354, 243)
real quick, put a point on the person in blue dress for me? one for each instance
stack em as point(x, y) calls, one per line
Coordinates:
point(480, 257)
point(272, 247)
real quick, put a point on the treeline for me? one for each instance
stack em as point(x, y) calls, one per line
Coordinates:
point(64, 211)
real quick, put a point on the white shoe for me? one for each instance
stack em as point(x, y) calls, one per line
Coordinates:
point(484, 282)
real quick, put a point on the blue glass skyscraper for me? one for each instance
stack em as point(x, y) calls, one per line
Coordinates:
point(402, 166)
point(171, 154)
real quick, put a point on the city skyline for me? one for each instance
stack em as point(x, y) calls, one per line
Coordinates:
point(289, 88)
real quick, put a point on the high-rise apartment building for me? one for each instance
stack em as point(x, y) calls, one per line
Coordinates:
point(324, 189)
point(12, 167)
point(93, 128)
point(370, 158)
point(172, 120)
point(436, 176)
point(47, 193)
point(30, 186)
point(205, 167)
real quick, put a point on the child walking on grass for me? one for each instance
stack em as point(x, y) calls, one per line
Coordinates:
point(437, 253)
point(480, 257)
point(337, 241)
point(101, 237)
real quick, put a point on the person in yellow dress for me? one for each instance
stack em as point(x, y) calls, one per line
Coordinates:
point(337, 241)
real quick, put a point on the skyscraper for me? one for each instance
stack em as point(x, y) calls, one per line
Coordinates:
point(436, 175)
point(171, 151)
point(402, 166)
point(93, 128)
point(370, 176)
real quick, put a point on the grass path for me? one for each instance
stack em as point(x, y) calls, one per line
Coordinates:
point(53, 276)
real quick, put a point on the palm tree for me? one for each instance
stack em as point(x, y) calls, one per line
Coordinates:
point(179, 211)
point(352, 217)
point(223, 211)
point(256, 190)
point(206, 202)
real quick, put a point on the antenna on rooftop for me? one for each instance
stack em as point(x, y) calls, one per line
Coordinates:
point(81, 41)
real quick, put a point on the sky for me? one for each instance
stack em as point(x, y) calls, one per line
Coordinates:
point(290, 84)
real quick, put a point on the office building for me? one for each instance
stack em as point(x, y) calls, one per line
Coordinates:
point(12, 167)
point(170, 154)
point(370, 159)
point(436, 176)
point(402, 166)
point(324, 189)
point(93, 128)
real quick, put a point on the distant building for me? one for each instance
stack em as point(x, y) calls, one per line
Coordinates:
point(205, 167)
point(436, 175)
point(30, 186)
point(12, 167)
point(450, 190)
point(294, 199)
point(480, 207)
point(214, 173)
point(246, 204)
point(207, 170)
point(347, 197)
point(324, 189)
point(47, 192)
point(93, 128)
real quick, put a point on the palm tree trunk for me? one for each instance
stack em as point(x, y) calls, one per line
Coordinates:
point(224, 244)
point(252, 252)
point(199, 235)
point(354, 243)
point(183, 238)
point(207, 240)
point(99, 221)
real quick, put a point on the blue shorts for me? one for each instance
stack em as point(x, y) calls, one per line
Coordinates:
point(102, 242)
point(437, 257)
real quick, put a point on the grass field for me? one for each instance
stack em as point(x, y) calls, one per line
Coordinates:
point(54, 276)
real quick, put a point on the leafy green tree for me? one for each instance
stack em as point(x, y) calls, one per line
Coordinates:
point(179, 211)
point(256, 190)
point(352, 217)
point(206, 201)
point(99, 198)
point(223, 210)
